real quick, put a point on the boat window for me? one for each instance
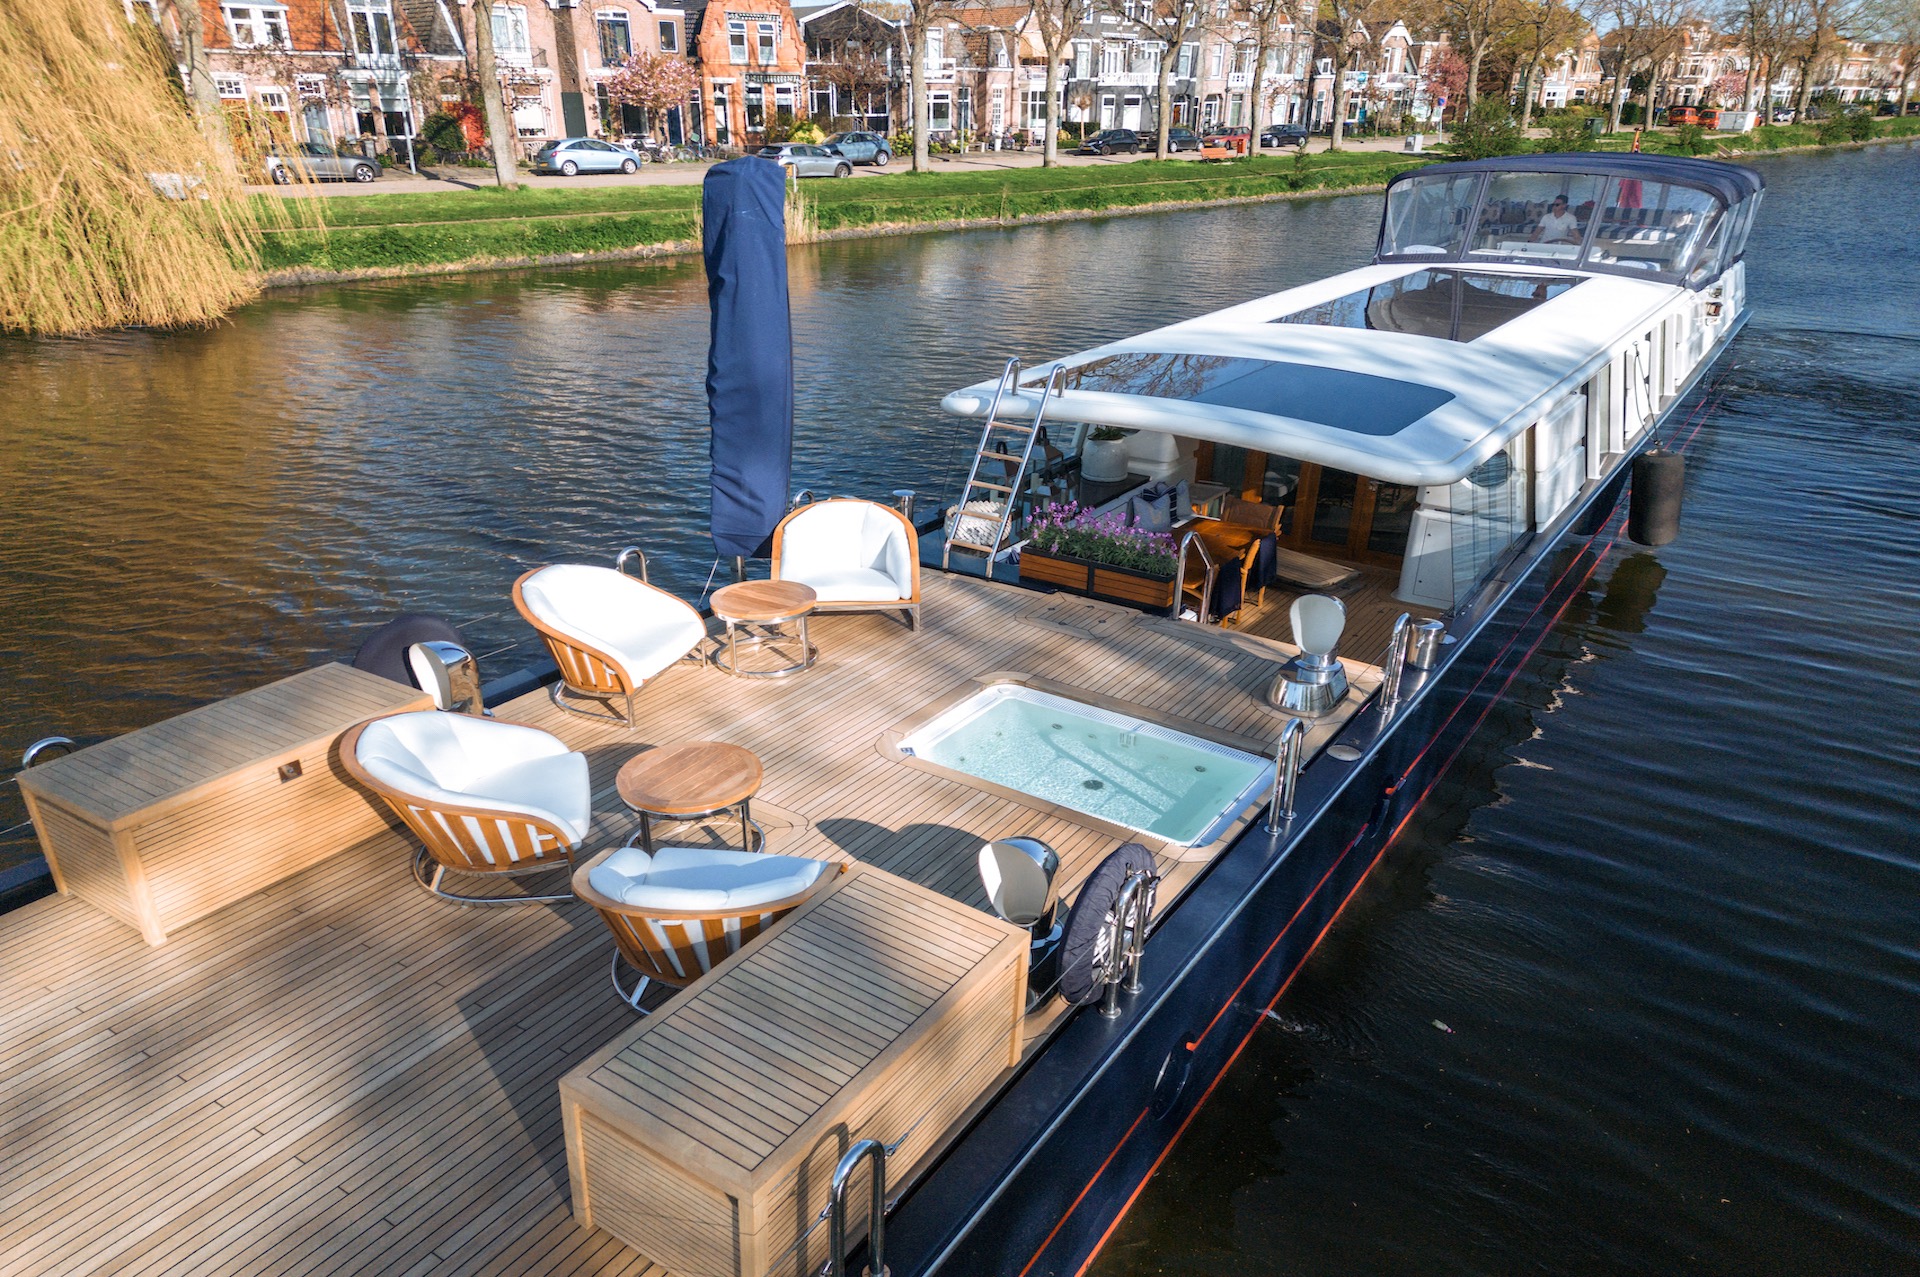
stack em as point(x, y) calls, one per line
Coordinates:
point(1427, 217)
point(1536, 215)
point(1652, 225)
point(1393, 505)
point(1451, 304)
point(1355, 401)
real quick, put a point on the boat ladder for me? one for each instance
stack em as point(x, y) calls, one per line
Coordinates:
point(983, 522)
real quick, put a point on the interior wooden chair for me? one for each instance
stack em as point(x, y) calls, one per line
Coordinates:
point(483, 797)
point(678, 913)
point(1252, 514)
point(608, 633)
point(858, 556)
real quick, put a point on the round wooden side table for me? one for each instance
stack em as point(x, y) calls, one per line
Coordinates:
point(691, 780)
point(766, 607)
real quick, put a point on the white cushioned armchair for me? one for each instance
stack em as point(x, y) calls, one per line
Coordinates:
point(483, 797)
point(859, 556)
point(607, 632)
point(678, 913)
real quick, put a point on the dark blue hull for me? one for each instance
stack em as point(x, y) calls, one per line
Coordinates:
point(1047, 1172)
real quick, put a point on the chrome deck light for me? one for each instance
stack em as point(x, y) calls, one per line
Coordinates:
point(1314, 682)
point(448, 673)
point(1018, 874)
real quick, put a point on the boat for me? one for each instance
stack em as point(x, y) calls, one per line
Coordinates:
point(1073, 836)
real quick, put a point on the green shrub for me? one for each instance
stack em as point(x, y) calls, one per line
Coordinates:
point(1832, 130)
point(1690, 139)
point(1489, 129)
point(1859, 124)
point(1567, 131)
point(442, 132)
point(806, 131)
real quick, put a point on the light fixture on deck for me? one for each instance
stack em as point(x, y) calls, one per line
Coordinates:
point(1314, 682)
point(1018, 875)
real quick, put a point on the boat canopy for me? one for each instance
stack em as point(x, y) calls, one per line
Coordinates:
point(1402, 372)
point(1675, 218)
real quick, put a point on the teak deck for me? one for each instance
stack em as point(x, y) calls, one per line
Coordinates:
point(344, 1074)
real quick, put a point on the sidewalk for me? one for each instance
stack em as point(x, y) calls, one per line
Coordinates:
point(400, 182)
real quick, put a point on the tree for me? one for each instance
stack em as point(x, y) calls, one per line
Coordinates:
point(1815, 29)
point(1170, 22)
point(1487, 129)
point(1054, 21)
point(1539, 28)
point(493, 102)
point(1267, 21)
point(200, 91)
point(1474, 25)
point(1344, 25)
point(654, 82)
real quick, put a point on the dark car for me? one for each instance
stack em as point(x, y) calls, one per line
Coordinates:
point(1111, 142)
point(1284, 135)
point(1182, 140)
point(1225, 134)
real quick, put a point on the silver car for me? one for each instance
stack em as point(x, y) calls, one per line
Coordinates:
point(809, 161)
point(317, 162)
point(570, 155)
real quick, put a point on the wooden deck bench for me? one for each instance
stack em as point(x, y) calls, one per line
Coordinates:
point(706, 1136)
point(169, 823)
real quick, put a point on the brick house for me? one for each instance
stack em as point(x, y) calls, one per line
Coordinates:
point(751, 63)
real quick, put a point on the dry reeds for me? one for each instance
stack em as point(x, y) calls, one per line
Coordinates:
point(114, 209)
point(803, 219)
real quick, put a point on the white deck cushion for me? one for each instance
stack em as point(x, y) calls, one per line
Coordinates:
point(457, 760)
point(699, 878)
point(643, 629)
point(849, 552)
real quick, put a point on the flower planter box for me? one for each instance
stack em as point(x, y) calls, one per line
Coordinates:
point(1097, 580)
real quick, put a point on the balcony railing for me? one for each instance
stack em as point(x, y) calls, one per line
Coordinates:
point(941, 68)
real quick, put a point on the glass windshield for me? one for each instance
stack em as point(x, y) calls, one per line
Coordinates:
point(1652, 225)
point(314, 148)
point(1428, 216)
point(1536, 215)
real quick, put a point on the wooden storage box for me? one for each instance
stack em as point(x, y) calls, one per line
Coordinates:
point(706, 1136)
point(169, 823)
point(1097, 580)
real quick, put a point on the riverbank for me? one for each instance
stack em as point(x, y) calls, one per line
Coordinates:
point(442, 232)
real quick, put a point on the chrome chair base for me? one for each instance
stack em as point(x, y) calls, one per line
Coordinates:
point(630, 997)
point(431, 883)
point(567, 700)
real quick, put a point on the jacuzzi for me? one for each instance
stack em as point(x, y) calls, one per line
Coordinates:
point(1136, 774)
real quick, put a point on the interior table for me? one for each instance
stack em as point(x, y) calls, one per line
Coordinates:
point(692, 780)
point(767, 607)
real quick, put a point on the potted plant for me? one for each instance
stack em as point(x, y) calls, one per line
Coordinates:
point(1099, 555)
point(1104, 456)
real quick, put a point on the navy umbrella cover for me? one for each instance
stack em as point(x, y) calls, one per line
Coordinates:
point(750, 355)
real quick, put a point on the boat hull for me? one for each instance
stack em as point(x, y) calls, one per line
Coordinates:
point(1047, 1172)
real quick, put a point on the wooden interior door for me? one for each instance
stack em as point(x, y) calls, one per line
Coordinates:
point(1334, 513)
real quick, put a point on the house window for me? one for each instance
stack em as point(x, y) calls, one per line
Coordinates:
point(1036, 108)
point(766, 33)
point(936, 45)
point(820, 101)
point(529, 116)
point(756, 108)
point(784, 98)
point(722, 120)
point(1215, 58)
point(669, 37)
point(510, 38)
point(737, 42)
point(256, 26)
point(616, 37)
point(1083, 59)
point(149, 9)
point(1113, 59)
point(1189, 54)
point(372, 23)
point(940, 112)
point(310, 86)
point(274, 100)
point(229, 85)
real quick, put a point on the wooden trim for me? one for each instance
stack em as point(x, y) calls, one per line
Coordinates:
point(535, 840)
point(46, 844)
point(858, 605)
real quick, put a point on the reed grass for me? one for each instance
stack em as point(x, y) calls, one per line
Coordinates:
point(115, 210)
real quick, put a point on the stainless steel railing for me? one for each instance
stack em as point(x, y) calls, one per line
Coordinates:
point(1192, 538)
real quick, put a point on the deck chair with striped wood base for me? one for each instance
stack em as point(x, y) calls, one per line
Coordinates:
point(678, 913)
point(483, 797)
point(608, 633)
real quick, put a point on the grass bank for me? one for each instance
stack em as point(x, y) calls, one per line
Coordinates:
point(396, 234)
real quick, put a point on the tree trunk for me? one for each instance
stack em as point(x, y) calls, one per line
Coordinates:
point(1253, 94)
point(1803, 96)
point(1906, 78)
point(1164, 103)
point(1526, 89)
point(493, 103)
point(1653, 86)
point(1050, 150)
point(1473, 73)
point(921, 119)
point(1338, 124)
point(1619, 98)
point(206, 102)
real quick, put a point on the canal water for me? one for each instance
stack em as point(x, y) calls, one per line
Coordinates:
point(1637, 992)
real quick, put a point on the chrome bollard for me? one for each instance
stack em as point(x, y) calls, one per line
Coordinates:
point(1397, 652)
point(448, 673)
point(1286, 772)
point(627, 556)
point(903, 501)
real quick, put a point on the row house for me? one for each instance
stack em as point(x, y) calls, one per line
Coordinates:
point(1573, 77)
point(1388, 79)
point(856, 65)
point(751, 64)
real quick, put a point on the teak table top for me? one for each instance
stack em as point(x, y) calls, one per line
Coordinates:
point(763, 601)
point(690, 777)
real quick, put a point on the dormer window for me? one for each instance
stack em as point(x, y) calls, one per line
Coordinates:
point(256, 26)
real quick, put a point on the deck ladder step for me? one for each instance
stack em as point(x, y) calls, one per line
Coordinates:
point(983, 523)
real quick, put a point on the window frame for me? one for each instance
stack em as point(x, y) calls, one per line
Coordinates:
point(257, 34)
point(606, 21)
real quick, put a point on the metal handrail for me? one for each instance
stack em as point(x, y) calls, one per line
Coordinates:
point(632, 552)
point(42, 745)
point(1396, 663)
point(800, 498)
point(877, 1213)
point(1192, 538)
point(1126, 939)
point(1287, 757)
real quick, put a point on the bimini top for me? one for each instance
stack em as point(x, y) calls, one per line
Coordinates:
point(1404, 372)
point(1680, 219)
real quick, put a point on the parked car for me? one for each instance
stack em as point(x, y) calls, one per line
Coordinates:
point(570, 155)
point(1284, 135)
point(809, 161)
point(862, 148)
point(1781, 115)
point(1225, 134)
point(1111, 142)
point(317, 162)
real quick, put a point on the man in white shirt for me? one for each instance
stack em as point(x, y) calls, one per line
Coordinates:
point(1558, 226)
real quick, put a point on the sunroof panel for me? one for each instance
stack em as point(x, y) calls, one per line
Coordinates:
point(1358, 402)
point(1454, 305)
